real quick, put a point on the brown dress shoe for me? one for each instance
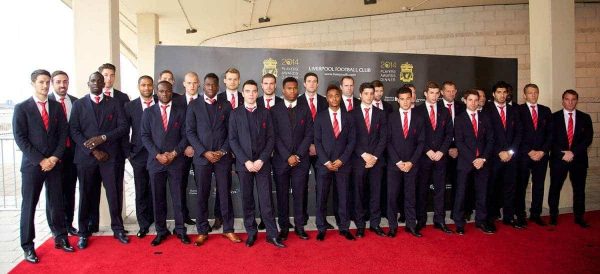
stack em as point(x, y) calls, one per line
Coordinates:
point(200, 240)
point(232, 237)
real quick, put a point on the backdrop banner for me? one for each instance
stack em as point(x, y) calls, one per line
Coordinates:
point(393, 69)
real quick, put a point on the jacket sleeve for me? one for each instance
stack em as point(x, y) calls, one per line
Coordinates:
point(76, 129)
point(383, 138)
point(63, 132)
point(191, 131)
point(265, 155)
point(21, 133)
point(234, 141)
point(345, 158)
point(147, 134)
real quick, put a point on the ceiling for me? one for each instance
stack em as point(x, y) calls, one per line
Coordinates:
point(217, 18)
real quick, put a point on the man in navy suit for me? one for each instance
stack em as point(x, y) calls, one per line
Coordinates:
point(315, 103)
point(439, 131)
point(60, 85)
point(294, 126)
point(534, 150)
point(378, 96)
point(507, 138)
point(138, 155)
point(206, 129)
point(405, 146)
point(349, 101)
point(97, 126)
point(474, 137)
point(268, 99)
point(368, 161)
point(163, 135)
point(252, 141)
point(231, 93)
point(572, 133)
point(40, 130)
point(167, 75)
point(335, 139)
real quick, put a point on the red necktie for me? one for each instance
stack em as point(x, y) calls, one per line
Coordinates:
point(269, 103)
point(367, 120)
point(232, 101)
point(502, 116)
point(570, 130)
point(474, 123)
point(107, 92)
point(45, 118)
point(313, 109)
point(64, 108)
point(290, 106)
point(210, 100)
point(148, 103)
point(534, 117)
point(250, 109)
point(432, 117)
point(349, 104)
point(164, 116)
point(97, 99)
point(450, 110)
point(336, 126)
point(378, 105)
point(405, 125)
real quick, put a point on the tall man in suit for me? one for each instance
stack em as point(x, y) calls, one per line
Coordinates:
point(534, 150)
point(474, 137)
point(138, 155)
point(294, 126)
point(378, 98)
point(368, 161)
point(439, 131)
point(251, 138)
point(231, 93)
point(163, 135)
point(40, 131)
point(206, 125)
point(97, 126)
point(335, 138)
point(507, 138)
point(572, 133)
point(60, 85)
point(268, 99)
point(349, 101)
point(405, 146)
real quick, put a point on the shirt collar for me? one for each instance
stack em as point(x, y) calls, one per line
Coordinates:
point(93, 96)
point(446, 102)
point(287, 103)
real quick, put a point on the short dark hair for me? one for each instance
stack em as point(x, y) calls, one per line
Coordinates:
point(365, 85)
point(377, 84)
point(409, 86)
point(470, 92)
point(269, 75)
point(448, 83)
point(107, 66)
point(334, 87)
point(570, 91)
point(402, 90)
point(501, 84)
point(346, 77)
point(249, 82)
point(289, 79)
point(211, 75)
point(308, 74)
point(530, 85)
point(38, 72)
point(166, 71)
point(431, 84)
point(59, 72)
point(163, 82)
point(145, 77)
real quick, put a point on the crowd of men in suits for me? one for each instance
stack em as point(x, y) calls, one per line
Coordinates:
point(379, 159)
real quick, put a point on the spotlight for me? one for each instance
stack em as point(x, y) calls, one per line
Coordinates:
point(191, 30)
point(264, 19)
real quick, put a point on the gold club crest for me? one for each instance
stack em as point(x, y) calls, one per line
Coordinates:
point(270, 66)
point(406, 73)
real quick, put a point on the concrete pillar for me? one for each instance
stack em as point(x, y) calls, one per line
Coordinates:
point(96, 36)
point(552, 52)
point(147, 34)
point(97, 41)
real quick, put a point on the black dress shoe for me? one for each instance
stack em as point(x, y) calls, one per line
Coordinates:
point(64, 245)
point(251, 239)
point(217, 224)
point(347, 235)
point(442, 227)
point(301, 233)
point(554, 220)
point(189, 221)
point(142, 233)
point(582, 223)
point(460, 230)
point(401, 219)
point(283, 234)
point(513, 223)
point(31, 257)
point(420, 225)
point(261, 225)
point(537, 221)
point(184, 238)
point(413, 231)
point(377, 230)
point(392, 233)
point(321, 236)
point(276, 242)
point(82, 243)
point(158, 239)
point(71, 230)
point(360, 233)
point(328, 225)
point(492, 226)
point(122, 237)
point(485, 228)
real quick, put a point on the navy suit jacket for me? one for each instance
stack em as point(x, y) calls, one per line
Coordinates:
point(328, 147)
point(468, 144)
point(157, 140)
point(321, 102)
point(373, 141)
point(223, 97)
point(240, 140)
point(204, 135)
point(291, 139)
point(84, 124)
point(121, 97)
point(68, 150)
point(403, 149)
point(509, 138)
point(459, 107)
point(32, 138)
point(260, 101)
point(355, 103)
point(388, 107)
point(583, 134)
point(532, 138)
point(136, 152)
point(437, 139)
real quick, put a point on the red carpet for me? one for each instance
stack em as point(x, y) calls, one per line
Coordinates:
point(566, 248)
